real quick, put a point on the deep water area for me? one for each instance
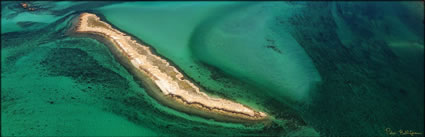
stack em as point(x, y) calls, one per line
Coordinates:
point(318, 68)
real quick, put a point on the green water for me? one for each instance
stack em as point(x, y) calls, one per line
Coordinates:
point(318, 68)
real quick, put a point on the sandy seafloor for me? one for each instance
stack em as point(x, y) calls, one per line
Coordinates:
point(331, 68)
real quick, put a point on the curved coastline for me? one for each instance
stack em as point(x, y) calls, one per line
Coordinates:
point(164, 81)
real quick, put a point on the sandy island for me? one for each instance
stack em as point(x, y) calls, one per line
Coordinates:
point(163, 80)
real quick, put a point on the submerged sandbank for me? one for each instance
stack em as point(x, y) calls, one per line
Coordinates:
point(163, 80)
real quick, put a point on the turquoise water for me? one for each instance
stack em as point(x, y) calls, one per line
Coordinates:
point(319, 68)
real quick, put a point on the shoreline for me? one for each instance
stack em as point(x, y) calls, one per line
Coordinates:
point(163, 80)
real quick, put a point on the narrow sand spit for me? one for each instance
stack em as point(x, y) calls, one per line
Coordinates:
point(163, 80)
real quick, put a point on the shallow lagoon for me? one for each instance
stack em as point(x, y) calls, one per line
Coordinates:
point(327, 66)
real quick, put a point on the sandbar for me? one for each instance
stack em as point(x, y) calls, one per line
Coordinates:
point(161, 78)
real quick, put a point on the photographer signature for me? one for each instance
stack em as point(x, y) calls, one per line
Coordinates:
point(402, 132)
